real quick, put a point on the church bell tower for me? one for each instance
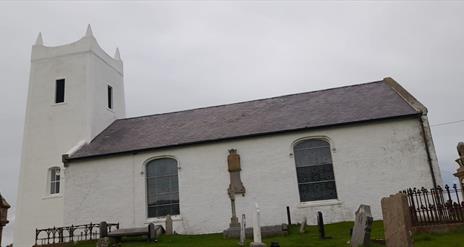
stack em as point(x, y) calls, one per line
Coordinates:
point(75, 91)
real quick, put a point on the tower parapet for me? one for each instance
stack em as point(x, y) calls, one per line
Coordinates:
point(88, 43)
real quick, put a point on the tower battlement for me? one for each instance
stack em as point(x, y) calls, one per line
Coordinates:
point(87, 44)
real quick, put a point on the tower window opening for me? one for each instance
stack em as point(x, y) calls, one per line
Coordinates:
point(59, 91)
point(110, 97)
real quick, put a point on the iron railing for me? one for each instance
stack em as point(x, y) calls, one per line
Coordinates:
point(67, 234)
point(435, 206)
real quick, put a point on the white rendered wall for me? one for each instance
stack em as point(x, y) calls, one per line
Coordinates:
point(371, 161)
point(52, 129)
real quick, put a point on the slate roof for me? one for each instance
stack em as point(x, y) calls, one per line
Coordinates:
point(343, 105)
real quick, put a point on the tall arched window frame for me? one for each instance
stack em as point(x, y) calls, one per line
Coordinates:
point(54, 180)
point(162, 187)
point(314, 168)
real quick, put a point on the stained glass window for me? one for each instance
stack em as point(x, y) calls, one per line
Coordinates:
point(162, 187)
point(314, 170)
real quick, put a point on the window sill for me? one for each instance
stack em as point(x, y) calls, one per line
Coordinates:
point(58, 104)
point(163, 219)
point(52, 196)
point(331, 202)
point(110, 109)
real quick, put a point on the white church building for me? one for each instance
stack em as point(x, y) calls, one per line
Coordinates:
point(329, 150)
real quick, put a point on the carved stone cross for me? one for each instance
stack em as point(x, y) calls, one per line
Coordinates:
point(233, 163)
point(235, 186)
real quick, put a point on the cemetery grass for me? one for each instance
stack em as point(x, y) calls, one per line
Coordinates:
point(450, 239)
point(338, 233)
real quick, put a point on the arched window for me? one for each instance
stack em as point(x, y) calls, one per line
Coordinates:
point(54, 180)
point(314, 170)
point(162, 187)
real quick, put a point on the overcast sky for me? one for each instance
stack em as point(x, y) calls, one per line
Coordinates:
point(181, 55)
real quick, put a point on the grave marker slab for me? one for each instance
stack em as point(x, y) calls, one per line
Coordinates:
point(361, 235)
point(169, 229)
point(303, 225)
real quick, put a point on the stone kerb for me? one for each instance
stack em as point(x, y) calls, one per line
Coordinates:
point(397, 221)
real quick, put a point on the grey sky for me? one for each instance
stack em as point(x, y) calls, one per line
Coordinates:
point(180, 55)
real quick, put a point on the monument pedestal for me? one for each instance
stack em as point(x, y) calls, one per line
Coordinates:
point(253, 244)
point(234, 222)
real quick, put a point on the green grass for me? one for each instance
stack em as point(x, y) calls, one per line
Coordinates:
point(450, 239)
point(338, 232)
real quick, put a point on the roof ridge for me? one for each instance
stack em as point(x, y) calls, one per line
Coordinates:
point(248, 101)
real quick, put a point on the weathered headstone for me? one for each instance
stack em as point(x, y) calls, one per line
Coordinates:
point(397, 221)
point(169, 228)
point(257, 241)
point(320, 224)
point(361, 234)
point(303, 225)
point(103, 229)
point(159, 230)
point(242, 230)
point(151, 232)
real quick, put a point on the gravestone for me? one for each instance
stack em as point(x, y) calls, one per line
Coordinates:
point(151, 232)
point(361, 234)
point(397, 221)
point(303, 225)
point(169, 229)
point(257, 241)
point(242, 230)
point(103, 229)
point(320, 224)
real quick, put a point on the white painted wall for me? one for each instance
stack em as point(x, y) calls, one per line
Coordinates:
point(371, 161)
point(52, 129)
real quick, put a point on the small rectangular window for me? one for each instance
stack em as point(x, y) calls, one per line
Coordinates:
point(59, 91)
point(110, 97)
point(55, 180)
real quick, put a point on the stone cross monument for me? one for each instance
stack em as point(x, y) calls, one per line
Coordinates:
point(460, 171)
point(234, 167)
point(236, 185)
point(4, 206)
